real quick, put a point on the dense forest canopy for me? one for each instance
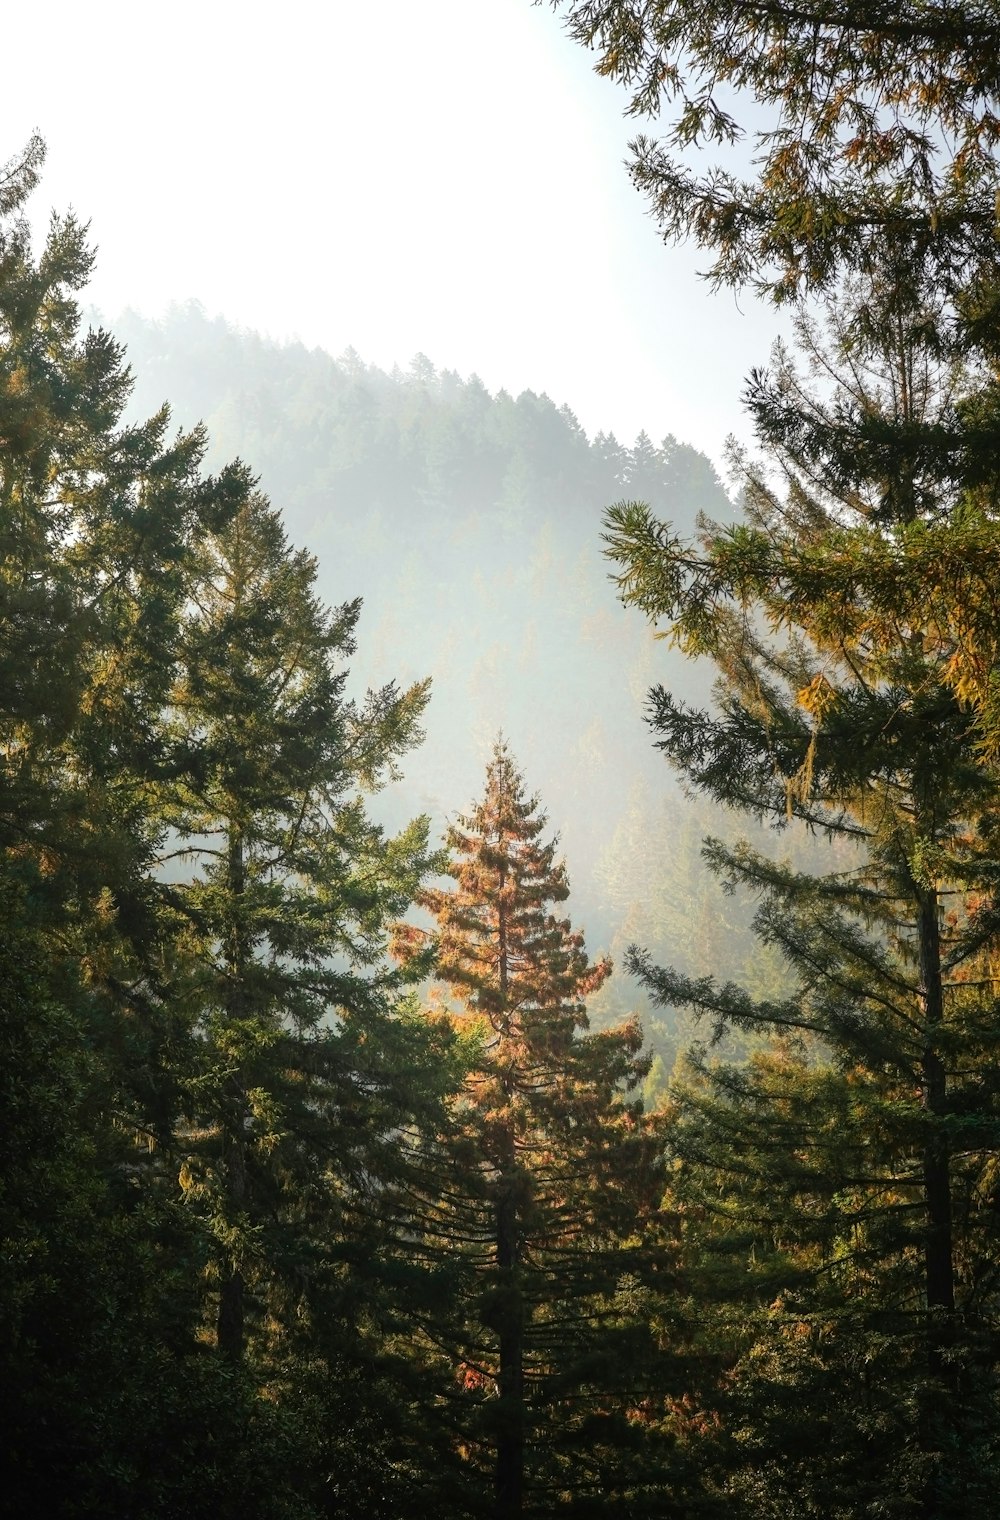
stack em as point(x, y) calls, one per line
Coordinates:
point(342, 1179)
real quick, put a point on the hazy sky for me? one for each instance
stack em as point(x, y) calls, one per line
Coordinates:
point(443, 177)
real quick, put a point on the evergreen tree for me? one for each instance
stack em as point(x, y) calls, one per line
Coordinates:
point(865, 1165)
point(302, 1077)
point(554, 1171)
point(171, 688)
point(872, 128)
point(107, 1396)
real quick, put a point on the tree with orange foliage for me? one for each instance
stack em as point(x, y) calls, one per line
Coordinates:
point(555, 1173)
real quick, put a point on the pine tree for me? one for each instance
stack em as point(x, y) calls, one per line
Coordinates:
point(98, 1313)
point(872, 128)
point(553, 1171)
point(96, 522)
point(173, 689)
point(302, 1077)
point(867, 1159)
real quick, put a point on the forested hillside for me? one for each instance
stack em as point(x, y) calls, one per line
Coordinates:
point(470, 526)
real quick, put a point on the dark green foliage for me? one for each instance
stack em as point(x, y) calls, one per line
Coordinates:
point(170, 683)
point(849, 1175)
point(804, 1229)
point(839, 1189)
point(300, 1079)
point(109, 1404)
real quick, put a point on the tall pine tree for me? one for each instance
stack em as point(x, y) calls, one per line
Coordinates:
point(206, 1083)
point(98, 1312)
point(302, 1077)
point(553, 1172)
point(842, 701)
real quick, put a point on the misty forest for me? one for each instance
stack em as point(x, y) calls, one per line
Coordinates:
point(500, 972)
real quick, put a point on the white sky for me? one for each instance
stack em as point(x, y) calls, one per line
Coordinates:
point(444, 177)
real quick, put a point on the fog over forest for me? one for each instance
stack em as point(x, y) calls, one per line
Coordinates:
point(499, 925)
point(471, 526)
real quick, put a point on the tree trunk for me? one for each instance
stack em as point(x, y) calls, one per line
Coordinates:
point(938, 1255)
point(232, 1311)
point(939, 1269)
point(509, 1483)
point(510, 1432)
point(229, 1327)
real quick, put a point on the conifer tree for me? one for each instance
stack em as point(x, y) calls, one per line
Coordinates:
point(841, 702)
point(97, 1317)
point(170, 685)
point(302, 1078)
point(872, 128)
point(553, 1170)
point(96, 522)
